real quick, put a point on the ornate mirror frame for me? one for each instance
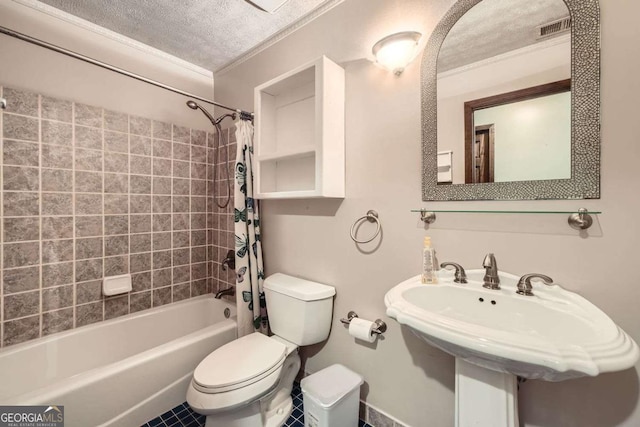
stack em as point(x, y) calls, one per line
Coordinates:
point(585, 117)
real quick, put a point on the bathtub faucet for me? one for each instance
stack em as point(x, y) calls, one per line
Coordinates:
point(228, 291)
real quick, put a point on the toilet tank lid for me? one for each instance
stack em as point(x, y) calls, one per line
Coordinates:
point(295, 287)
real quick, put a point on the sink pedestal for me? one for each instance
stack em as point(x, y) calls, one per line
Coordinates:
point(485, 398)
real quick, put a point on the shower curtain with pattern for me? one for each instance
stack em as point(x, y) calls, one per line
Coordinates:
point(252, 311)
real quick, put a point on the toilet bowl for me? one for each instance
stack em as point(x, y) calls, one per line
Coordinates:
point(245, 381)
point(248, 382)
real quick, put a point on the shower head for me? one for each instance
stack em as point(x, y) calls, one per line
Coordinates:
point(217, 146)
point(221, 118)
point(194, 106)
point(216, 122)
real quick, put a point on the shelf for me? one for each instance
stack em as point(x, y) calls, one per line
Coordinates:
point(288, 154)
point(291, 195)
point(524, 220)
point(286, 175)
point(505, 212)
point(299, 133)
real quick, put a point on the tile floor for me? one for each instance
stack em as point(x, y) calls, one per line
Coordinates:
point(183, 416)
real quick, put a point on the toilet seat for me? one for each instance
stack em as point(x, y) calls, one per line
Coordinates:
point(241, 363)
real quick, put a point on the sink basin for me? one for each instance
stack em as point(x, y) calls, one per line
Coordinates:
point(554, 335)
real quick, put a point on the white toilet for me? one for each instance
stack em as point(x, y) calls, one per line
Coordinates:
point(247, 382)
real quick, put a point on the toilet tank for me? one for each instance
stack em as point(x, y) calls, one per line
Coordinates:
point(299, 310)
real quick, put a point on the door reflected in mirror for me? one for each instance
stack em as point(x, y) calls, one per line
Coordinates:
point(523, 135)
point(504, 93)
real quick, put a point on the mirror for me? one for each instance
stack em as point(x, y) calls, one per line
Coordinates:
point(510, 101)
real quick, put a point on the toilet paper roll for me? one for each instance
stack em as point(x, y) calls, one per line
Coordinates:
point(362, 330)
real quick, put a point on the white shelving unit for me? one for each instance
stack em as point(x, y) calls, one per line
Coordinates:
point(299, 133)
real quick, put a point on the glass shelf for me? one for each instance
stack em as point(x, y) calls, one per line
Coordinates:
point(528, 221)
point(504, 211)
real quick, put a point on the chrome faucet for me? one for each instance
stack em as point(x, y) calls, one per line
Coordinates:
point(460, 275)
point(524, 284)
point(228, 291)
point(491, 278)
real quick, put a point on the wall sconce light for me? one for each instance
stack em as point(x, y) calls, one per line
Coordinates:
point(396, 51)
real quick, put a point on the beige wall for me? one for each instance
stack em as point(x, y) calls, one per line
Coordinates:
point(405, 377)
point(532, 138)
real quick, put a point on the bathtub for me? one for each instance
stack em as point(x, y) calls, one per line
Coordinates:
point(122, 372)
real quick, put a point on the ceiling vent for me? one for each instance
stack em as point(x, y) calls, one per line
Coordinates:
point(554, 28)
point(270, 6)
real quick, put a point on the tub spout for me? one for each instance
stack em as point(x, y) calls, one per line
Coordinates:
point(228, 291)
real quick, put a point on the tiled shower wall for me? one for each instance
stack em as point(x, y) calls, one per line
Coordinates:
point(222, 218)
point(89, 193)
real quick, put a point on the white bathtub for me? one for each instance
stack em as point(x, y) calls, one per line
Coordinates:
point(122, 372)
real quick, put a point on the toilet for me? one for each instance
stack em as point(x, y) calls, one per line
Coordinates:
point(248, 382)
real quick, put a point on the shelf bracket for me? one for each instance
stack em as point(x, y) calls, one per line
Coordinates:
point(427, 217)
point(581, 220)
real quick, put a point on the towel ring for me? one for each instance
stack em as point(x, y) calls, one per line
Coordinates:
point(371, 216)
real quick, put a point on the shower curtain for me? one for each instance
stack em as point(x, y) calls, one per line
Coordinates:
point(252, 310)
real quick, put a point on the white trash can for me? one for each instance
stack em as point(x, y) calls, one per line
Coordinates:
point(331, 397)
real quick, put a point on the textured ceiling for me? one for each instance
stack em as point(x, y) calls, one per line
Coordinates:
point(208, 33)
point(493, 27)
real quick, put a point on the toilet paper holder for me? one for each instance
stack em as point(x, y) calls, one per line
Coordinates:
point(380, 328)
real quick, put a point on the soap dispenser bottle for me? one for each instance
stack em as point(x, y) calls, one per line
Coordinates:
point(429, 263)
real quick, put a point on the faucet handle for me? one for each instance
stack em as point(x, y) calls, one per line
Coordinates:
point(229, 260)
point(460, 275)
point(524, 284)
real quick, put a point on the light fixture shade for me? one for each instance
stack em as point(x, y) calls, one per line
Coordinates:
point(396, 51)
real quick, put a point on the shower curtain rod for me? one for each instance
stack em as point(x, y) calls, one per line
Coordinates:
point(113, 68)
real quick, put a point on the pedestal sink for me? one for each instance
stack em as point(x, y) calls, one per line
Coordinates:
point(497, 335)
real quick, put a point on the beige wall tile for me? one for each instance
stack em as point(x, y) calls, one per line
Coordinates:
point(78, 207)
